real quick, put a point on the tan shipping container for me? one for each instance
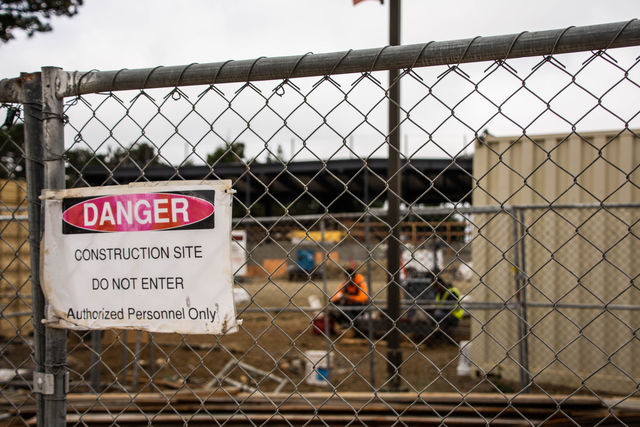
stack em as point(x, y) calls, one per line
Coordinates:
point(573, 256)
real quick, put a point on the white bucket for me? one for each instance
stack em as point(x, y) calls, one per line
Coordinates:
point(464, 362)
point(317, 367)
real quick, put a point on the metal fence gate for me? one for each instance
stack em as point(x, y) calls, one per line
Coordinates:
point(537, 228)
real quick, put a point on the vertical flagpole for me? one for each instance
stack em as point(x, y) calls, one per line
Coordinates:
point(394, 355)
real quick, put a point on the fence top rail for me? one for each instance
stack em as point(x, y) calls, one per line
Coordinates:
point(525, 44)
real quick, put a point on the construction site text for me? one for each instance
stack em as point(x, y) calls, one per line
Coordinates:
point(138, 253)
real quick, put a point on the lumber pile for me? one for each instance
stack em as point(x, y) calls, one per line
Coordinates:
point(382, 409)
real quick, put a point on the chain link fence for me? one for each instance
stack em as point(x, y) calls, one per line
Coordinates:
point(16, 326)
point(537, 231)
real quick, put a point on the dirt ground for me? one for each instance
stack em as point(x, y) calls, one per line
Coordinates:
point(274, 337)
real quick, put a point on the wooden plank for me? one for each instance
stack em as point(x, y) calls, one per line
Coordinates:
point(354, 398)
point(436, 410)
point(496, 408)
point(234, 418)
point(157, 403)
point(489, 398)
point(99, 409)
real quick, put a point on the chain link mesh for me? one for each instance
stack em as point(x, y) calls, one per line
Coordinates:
point(16, 328)
point(538, 231)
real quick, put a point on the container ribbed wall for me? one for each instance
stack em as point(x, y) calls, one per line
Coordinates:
point(573, 255)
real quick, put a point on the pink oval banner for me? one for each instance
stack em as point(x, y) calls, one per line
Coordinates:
point(138, 212)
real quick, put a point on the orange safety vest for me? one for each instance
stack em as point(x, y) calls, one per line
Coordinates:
point(357, 291)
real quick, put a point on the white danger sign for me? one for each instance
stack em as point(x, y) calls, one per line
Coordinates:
point(151, 256)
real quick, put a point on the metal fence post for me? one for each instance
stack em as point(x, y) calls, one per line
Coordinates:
point(523, 302)
point(136, 362)
point(517, 294)
point(325, 291)
point(394, 354)
point(125, 349)
point(367, 244)
point(152, 359)
point(53, 138)
point(32, 94)
point(520, 297)
point(96, 360)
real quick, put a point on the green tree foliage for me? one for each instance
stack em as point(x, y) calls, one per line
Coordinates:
point(227, 154)
point(32, 16)
point(77, 160)
point(140, 155)
point(80, 158)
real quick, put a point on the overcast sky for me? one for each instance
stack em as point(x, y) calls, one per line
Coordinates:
point(113, 34)
point(116, 34)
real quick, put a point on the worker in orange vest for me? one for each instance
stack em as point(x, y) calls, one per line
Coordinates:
point(352, 293)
